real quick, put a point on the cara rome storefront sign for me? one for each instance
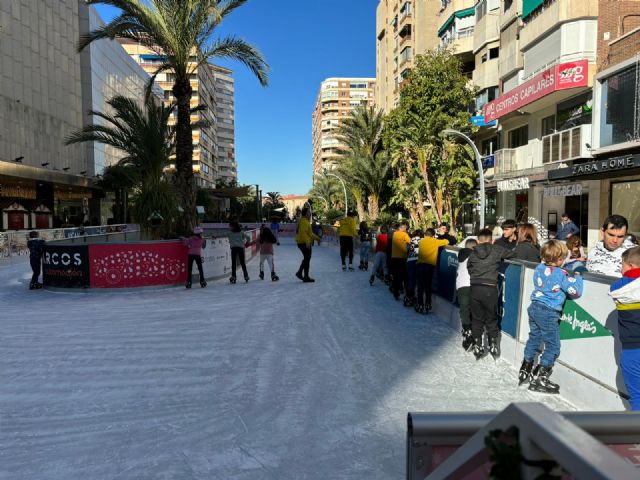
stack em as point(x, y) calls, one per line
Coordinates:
point(513, 184)
point(570, 190)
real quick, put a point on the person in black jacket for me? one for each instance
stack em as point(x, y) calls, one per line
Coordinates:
point(443, 234)
point(483, 266)
point(527, 247)
point(509, 237)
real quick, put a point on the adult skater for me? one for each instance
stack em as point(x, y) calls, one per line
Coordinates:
point(238, 241)
point(304, 239)
point(347, 232)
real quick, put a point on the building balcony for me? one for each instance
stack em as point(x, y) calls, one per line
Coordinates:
point(486, 74)
point(567, 144)
point(486, 30)
point(557, 12)
point(461, 41)
point(405, 40)
point(516, 160)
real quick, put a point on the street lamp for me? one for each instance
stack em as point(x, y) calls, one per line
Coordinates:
point(325, 200)
point(344, 188)
point(476, 153)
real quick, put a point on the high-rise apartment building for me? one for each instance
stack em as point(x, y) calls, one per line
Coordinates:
point(337, 98)
point(203, 84)
point(47, 89)
point(404, 28)
point(227, 168)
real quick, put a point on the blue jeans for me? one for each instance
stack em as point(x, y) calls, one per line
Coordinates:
point(630, 366)
point(544, 334)
point(411, 279)
point(365, 248)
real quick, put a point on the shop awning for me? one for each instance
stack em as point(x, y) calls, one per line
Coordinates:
point(529, 6)
point(467, 12)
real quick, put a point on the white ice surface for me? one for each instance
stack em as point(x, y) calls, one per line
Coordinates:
point(250, 381)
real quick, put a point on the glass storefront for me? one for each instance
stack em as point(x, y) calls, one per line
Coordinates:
point(625, 201)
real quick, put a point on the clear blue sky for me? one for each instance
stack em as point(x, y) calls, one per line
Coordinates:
point(304, 42)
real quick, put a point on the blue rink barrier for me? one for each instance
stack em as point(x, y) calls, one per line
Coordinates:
point(588, 367)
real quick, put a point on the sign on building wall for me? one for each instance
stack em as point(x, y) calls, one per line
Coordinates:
point(560, 77)
point(512, 184)
point(570, 190)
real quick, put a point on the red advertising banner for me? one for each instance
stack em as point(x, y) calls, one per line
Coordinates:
point(560, 77)
point(137, 265)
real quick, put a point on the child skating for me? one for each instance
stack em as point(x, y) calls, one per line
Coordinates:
point(238, 241)
point(195, 243)
point(552, 285)
point(267, 240)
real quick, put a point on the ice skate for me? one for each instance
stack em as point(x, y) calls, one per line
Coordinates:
point(261, 275)
point(344, 267)
point(479, 351)
point(274, 277)
point(467, 340)
point(246, 279)
point(32, 286)
point(419, 307)
point(203, 283)
point(232, 279)
point(308, 280)
point(494, 348)
point(408, 301)
point(541, 382)
point(361, 266)
point(188, 285)
point(372, 279)
point(351, 269)
point(525, 372)
point(365, 266)
point(427, 308)
point(299, 275)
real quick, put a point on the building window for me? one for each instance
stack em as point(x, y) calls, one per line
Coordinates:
point(619, 117)
point(621, 193)
point(489, 146)
point(507, 4)
point(494, 53)
point(518, 137)
point(548, 125)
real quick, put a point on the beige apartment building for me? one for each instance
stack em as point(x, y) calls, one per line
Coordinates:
point(337, 98)
point(406, 28)
point(227, 167)
point(203, 83)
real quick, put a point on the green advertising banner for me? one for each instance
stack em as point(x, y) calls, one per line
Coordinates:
point(576, 322)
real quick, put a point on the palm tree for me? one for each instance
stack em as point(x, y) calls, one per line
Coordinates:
point(274, 199)
point(327, 188)
point(363, 164)
point(180, 31)
point(145, 137)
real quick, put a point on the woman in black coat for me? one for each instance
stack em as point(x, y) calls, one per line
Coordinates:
point(527, 247)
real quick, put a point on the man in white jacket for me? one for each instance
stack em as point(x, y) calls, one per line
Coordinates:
point(606, 257)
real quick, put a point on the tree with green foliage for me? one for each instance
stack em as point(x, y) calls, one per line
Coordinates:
point(144, 136)
point(181, 31)
point(427, 167)
point(329, 191)
point(363, 164)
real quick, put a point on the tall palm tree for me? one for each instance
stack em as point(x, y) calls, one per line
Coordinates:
point(180, 31)
point(327, 188)
point(145, 137)
point(363, 163)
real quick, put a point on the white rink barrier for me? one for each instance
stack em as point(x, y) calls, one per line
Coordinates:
point(588, 367)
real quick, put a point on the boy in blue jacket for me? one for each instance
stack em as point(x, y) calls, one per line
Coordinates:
point(626, 293)
point(552, 285)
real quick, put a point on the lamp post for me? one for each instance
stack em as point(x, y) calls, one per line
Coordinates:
point(344, 188)
point(476, 153)
point(325, 201)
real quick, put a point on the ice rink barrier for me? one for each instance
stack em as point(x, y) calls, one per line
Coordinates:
point(588, 367)
point(74, 264)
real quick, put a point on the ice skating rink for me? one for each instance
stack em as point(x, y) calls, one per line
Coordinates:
point(252, 381)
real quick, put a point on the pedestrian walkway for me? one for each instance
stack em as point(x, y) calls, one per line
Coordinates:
point(265, 380)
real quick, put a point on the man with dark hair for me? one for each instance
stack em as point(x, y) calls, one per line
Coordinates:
point(606, 257)
point(509, 238)
point(443, 234)
point(567, 228)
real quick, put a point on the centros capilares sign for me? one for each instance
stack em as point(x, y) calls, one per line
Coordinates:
point(560, 77)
